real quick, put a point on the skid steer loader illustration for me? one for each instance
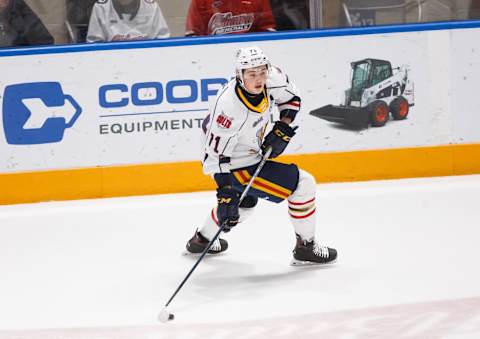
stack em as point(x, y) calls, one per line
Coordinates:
point(376, 89)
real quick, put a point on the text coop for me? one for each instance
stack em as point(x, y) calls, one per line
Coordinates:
point(155, 93)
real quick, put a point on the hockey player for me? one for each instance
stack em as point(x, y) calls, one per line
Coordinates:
point(235, 130)
point(120, 20)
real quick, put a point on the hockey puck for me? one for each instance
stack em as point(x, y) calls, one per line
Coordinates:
point(164, 316)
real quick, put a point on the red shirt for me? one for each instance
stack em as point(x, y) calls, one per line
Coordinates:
point(210, 17)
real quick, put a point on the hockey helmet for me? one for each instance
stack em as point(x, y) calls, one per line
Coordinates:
point(249, 57)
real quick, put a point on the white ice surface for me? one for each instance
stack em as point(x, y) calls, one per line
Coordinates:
point(408, 267)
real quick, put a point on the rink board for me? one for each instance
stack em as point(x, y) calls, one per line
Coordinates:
point(186, 176)
point(78, 120)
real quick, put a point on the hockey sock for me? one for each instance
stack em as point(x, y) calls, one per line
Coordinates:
point(301, 206)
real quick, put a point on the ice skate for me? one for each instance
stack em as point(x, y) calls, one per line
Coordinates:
point(311, 253)
point(198, 243)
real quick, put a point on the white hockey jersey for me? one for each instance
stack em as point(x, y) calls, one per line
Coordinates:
point(236, 128)
point(106, 24)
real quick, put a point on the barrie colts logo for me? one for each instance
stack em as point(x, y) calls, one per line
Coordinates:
point(37, 113)
point(224, 121)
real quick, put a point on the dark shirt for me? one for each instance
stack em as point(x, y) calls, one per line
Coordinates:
point(20, 26)
point(78, 11)
point(78, 16)
point(291, 14)
point(474, 9)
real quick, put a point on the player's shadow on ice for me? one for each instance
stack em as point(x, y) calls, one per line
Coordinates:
point(240, 279)
point(346, 127)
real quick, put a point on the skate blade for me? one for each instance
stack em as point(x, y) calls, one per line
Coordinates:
point(299, 263)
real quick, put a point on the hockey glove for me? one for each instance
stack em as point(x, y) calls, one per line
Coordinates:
point(278, 138)
point(227, 208)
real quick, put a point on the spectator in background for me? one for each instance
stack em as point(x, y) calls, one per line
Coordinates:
point(20, 26)
point(212, 17)
point(474, 12)
point(120, 20)
point(291, 14)
point(78, 15)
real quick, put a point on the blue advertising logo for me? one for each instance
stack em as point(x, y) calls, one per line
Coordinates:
point(163, 92)
point(37, 113)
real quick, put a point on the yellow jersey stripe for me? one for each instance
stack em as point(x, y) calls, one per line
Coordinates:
point(269, 191)
point(266, 185)
point(239, 178)
point(260, 108)
point(262, 185)
point(274, 186)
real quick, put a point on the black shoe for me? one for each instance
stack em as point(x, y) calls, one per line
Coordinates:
point(198, 243)
point(309, 252)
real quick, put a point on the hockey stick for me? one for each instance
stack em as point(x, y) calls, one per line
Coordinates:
point(164, 315)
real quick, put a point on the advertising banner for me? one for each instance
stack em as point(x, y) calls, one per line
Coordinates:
point(141, 106)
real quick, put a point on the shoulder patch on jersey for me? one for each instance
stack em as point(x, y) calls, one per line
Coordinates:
point(224, 121)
